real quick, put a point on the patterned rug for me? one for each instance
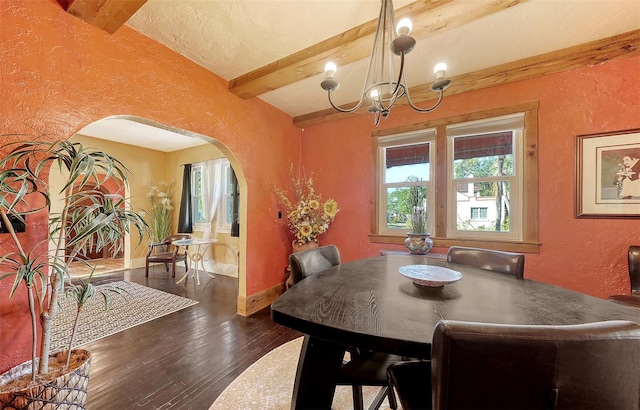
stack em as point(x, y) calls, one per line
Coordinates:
point(138, 304)
point(268, 385)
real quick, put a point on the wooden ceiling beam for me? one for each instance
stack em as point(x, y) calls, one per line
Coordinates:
point(584, 55)
point(428, 17)
point(107, 15)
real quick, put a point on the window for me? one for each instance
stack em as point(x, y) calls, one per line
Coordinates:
point(484, 156)
point(405, 171)
point(479, 175)
point(478, 213)
point(199, 219)
point(224, 208)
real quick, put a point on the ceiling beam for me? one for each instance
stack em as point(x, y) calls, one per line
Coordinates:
point(107, 15)
point(585, 55)
point(428, 17)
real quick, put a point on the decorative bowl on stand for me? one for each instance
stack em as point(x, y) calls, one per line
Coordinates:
point(429, 275)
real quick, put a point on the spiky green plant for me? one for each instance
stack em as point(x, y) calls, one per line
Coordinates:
point(89, 220)
point(81, 293)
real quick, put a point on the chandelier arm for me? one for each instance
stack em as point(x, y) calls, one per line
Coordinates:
point(400, 75)
point(346, 110)
point(441, 95)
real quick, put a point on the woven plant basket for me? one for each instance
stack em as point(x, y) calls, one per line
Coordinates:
point(66, 392)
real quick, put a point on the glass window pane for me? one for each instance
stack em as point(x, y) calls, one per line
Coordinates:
point(406, 161)
point(484, 207)
point(483, 155)
point(400, 202)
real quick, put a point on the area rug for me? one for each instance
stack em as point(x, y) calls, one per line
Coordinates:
point(138, 304)
point(268, 384)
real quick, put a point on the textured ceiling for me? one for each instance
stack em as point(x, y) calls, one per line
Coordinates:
point(233, 37)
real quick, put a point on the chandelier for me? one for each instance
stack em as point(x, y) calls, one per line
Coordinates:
point(381, 87)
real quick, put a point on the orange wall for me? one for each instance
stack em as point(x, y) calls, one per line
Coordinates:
point(587, 255)
point(58, 74)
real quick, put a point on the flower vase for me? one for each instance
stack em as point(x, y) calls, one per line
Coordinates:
point(297, 247)
point(418, 243)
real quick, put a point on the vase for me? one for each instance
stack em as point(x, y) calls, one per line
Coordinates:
point(67, 391)
point(296, 247)
point(418, 243)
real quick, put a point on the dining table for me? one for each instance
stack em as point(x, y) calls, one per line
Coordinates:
point(369, 304)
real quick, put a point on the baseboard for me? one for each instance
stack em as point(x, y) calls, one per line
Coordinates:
point(249, 305)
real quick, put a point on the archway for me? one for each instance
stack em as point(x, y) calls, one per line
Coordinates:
point(141, 178)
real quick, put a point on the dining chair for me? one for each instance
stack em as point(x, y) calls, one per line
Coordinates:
point(497, 366)
point(632, 299)
point(487, 259)
point(365, 368)
point(168, 254)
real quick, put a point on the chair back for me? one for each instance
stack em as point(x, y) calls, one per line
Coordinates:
point(166, 246)
point(311, 261)
point(634, 268)
point(588, 366)
point(487, 259)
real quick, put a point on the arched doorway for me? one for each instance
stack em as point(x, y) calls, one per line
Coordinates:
point(118, 136)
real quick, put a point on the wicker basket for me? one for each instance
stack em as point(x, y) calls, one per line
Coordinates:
point(68, 392)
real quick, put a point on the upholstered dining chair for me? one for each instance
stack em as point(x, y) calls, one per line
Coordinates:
point(168, 254)
point(364, 368)
point(632, 299)
point(487, 259)
point(481, 365)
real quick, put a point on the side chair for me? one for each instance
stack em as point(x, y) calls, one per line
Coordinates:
point(364, 368)
point(633, 299)
point(482, 365)
point(168, 254)
point(487, 259)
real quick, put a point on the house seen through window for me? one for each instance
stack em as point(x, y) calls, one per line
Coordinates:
point(471, 171)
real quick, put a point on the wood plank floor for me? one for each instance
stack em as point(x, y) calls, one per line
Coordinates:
point(183, 360)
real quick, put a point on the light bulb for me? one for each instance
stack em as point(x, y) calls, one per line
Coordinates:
point(373, 94)
point(440, 70)
point(404, 27)
point(330, 69)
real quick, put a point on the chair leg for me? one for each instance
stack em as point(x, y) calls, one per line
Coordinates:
point(357, 398)
point(393, 403)
point(173, 270)
point(379, 399)
point(166, 267)
point(146, 270)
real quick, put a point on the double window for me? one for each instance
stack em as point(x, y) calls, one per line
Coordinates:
point(478, 185)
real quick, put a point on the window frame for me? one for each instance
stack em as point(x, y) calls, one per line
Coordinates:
point(529, 241)
point(220, 220)
point(412, 138)
point(513, 123)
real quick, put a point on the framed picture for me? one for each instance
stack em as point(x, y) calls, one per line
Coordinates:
point(608, 175)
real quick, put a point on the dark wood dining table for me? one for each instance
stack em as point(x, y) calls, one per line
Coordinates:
point(368, 304)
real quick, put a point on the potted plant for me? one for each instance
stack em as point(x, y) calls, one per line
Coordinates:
point(89, 219)
point(418, 241)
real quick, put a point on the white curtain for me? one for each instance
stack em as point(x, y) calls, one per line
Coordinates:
point(212, 180)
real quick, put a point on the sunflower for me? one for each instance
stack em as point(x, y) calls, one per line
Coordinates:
point(330, 208)
point(306, 229)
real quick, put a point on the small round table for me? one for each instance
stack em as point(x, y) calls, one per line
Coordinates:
point(196, 255)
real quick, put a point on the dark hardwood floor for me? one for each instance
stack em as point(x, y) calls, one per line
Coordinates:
point(183, 360)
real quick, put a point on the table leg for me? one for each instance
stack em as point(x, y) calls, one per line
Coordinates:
point(318, 370)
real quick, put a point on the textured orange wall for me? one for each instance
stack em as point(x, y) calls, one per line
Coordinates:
point(587, 255)
point(58, 74)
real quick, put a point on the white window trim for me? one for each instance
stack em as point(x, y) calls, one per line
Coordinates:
point(398, 140)
point(512, 122)
point(219, 221)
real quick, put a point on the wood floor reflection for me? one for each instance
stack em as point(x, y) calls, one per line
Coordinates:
point(183, 360)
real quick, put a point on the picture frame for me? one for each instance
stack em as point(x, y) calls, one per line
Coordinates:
point(608, 175)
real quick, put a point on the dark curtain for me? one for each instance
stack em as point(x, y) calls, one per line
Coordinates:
point(235, 205)
point(185, 220)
